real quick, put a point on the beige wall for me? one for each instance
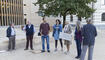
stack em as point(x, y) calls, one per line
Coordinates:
point(32, 16)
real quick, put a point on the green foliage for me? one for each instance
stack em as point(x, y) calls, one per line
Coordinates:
point(66, 7)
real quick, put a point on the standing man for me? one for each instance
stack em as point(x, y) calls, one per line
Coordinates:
point(89, 33)
point(30, 30)
point(11, 35)
point(44, 30)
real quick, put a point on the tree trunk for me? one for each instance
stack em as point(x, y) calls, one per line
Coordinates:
point(79, 18)
point(64, 20)
point(71, 18)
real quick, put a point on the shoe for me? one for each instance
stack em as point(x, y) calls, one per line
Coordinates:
point(43, 51)
point(61, 49)
point(48, 51)
point(13, 49)
point(25, 49)
point(9, 50)
point(32, 49)
point(66, 52)
point(77, 57)
point(55, 49)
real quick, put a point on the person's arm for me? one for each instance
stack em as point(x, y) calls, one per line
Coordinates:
point(24, 28)
point(8, 32)
point(40, 29)
point(48, 29)
point(75, 33)
point(34, 29)
point(61, 27)
point(95, 31)
point(53, 31)
point(82, 31)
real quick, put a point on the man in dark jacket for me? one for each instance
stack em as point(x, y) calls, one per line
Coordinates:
point(89, 33)
point(11, 35)
point(30, 30)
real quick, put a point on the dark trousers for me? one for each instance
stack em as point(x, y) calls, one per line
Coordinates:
point(78, 44)
point(56, 43)
point(11, 44)
point(29, 40)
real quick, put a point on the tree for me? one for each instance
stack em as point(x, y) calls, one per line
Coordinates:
point(84, 11)
point(65, 7)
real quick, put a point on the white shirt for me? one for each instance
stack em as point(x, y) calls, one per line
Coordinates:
point(65, 28)
point(29, 27)
point(13, 31)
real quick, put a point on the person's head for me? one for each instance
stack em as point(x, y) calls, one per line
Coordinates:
point(89, 21)
point(44, 19)
point(78, 25)
point(58, 21)
point(28, 22)
point(11, 24)
point(66, 23)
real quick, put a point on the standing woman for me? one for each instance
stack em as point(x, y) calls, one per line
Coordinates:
point(78, 38)
point(57, 28)
point(67, 29)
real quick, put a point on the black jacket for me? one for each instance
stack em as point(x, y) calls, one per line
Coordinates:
point(9, 32)
point(29, 31)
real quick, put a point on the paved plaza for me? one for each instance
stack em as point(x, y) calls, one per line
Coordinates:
point(20, 54)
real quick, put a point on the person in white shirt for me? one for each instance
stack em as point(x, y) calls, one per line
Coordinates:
point(68, 30)
point(11, 35)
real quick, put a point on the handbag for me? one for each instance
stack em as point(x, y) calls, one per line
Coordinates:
point(39, 34)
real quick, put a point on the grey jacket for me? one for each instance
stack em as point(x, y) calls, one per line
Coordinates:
point(89, 33)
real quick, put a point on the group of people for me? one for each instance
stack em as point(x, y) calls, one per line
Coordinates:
point(83, 36)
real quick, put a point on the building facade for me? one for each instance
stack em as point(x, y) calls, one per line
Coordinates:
point(20, 11)
point(11, 11)
point(98, 16)
point(30, 13)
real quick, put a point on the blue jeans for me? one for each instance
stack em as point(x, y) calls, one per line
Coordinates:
point(78, 44)
point(43, 42)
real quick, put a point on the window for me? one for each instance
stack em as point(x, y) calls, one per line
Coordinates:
point(25, 14)
point(104, 2)
point(24, 4)
point(25, 20)
point(103, 17)
point(11, 11)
